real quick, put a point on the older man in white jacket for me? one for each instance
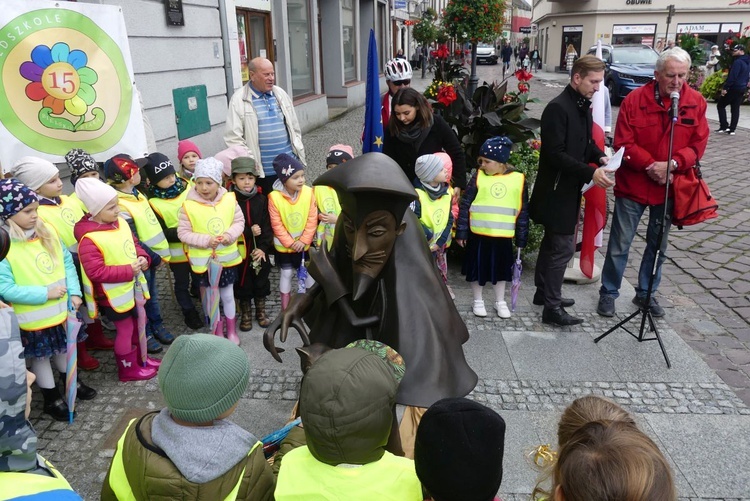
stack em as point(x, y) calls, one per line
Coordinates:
point(261, 117)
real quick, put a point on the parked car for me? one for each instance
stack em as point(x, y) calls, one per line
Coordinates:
point(628, 67)
point(486, 53)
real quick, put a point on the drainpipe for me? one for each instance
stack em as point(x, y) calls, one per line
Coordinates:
point(225, 46)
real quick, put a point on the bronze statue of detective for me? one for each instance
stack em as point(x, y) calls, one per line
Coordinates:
point(379, 281)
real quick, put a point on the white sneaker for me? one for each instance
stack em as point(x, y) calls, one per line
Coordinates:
point(478, 308)
point(502, 309)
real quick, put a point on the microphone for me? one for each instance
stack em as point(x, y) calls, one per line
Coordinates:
point(675, 97)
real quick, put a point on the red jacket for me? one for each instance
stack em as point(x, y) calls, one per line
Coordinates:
point(385, 109)
point(643, 129)
point(92, 260)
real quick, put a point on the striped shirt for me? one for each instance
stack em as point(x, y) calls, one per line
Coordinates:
point(273, 137)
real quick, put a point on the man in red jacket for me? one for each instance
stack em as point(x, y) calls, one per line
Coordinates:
point(643, 130)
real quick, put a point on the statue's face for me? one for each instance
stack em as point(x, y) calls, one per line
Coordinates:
point(369, 246)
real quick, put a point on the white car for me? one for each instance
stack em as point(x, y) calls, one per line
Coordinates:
point(486, 53)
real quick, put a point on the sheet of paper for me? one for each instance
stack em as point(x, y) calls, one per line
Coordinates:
point(614, 163)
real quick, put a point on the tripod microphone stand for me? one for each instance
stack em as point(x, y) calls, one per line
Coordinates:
point(645, 309)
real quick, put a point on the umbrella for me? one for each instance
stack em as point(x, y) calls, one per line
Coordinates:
point(515, 284)
point(212, 298)
point(302, 275)
point(272, 441)
point(73, 325)
point(140, 305)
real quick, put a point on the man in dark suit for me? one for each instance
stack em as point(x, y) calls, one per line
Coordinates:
point(567, 150)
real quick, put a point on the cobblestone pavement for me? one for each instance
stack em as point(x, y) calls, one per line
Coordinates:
point(705, 286)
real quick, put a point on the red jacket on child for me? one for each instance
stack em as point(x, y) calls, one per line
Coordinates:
point(92, 260)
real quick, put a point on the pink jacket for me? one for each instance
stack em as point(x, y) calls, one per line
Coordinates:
point(200, 240)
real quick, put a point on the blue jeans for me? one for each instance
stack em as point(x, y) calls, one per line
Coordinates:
point(153, 312)
point(624, 225)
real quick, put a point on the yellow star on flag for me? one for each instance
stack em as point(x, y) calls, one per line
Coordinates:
point(378, 141)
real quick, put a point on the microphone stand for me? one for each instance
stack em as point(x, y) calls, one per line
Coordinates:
point(645, 310)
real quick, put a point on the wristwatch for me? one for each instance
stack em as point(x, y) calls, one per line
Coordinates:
point(673, 164)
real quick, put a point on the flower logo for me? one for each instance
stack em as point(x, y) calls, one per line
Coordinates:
point(60, 79)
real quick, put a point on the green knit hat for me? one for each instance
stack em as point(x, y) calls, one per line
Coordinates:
point(203, 376)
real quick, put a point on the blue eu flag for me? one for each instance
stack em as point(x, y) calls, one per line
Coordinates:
point(372, 140)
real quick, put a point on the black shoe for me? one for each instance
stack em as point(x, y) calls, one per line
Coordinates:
point(731, 132)
point(193, 319)
point(606, 306)
point(55, 406)
point(559, 316)
point(721, 130)
point(565, 302)
point(656, 310)
point(83, 391)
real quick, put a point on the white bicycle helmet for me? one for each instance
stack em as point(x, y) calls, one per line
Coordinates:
point(397, 69)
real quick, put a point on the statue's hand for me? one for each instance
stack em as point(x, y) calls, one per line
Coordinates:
point(299, 304)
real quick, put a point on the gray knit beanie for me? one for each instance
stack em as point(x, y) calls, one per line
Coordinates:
point(203, 376)
point(428, 167)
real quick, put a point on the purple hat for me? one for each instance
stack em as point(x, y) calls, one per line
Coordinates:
point(286, 166)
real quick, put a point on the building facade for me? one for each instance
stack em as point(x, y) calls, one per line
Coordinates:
point(582, 22)
point(319, 49)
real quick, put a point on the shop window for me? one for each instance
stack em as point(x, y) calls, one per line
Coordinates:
point(348, 38)
point(300, 43)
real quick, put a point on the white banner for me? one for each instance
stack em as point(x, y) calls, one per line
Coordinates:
point(66, 81)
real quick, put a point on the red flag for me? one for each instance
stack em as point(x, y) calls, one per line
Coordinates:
point(595, 211)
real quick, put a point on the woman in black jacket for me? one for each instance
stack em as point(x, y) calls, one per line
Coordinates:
point(414, 130)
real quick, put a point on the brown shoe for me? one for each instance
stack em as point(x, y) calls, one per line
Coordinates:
point(246, 315)
point(260, 312)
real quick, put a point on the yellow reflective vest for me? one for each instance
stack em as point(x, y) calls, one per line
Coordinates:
point(118, 479)
point(63, 218)
point(304, 478)
point(212, 220)
point(494, 211)
point(118, 248)
point(34, 487)
point(328, 203)
point(74, 199)
point(168, 210)
point(293, 215)
point(32, 264)
point(146, 224)
point(435, 214)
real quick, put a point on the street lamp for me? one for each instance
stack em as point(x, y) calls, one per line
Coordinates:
point(473, 78)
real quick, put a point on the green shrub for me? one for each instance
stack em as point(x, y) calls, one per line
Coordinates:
point(711, 88)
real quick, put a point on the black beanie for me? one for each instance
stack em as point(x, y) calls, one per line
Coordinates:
point(157, 167)
point(458, 451)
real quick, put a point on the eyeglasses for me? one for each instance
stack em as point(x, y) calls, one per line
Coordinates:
point(399, 83)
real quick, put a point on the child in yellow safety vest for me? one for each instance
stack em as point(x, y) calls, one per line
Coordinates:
point(493, 210)
point(24, 474)
point(39, 279)
point(112, 265)
point(294, 219)
point(81, 165)
point(433, 208)
point(61, 213)
point(326, 197)
point(123, 173)
point(167, 192)
point(210, 222)
point(188, 154)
